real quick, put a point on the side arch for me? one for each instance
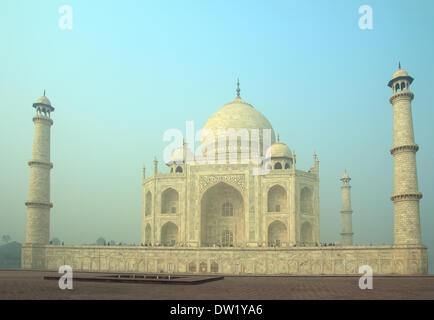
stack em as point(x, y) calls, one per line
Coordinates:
point(148, 203)
point(277, 199)
point(148, 234)
point(277, 234)
point(277, 166)
point(169, 201)
point(169, 234)
point(306, 201)
point(306, 234)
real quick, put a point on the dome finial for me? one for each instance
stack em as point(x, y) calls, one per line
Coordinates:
point(238, 88)
point(44, 92)
point(399, 64)
point(278, 137)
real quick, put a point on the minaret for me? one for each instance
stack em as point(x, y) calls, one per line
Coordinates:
point(347, 212)
point(155, 166)
point(405, 191)
point(39, 205)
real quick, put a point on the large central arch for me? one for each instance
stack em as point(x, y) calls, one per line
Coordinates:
point(222, 216)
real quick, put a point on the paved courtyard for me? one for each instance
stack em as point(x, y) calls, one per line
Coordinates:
point(30, 285)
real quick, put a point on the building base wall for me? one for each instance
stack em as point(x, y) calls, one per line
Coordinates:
point(403, 260)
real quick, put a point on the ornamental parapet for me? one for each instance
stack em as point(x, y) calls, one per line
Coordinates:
point(38, 204)
point(406, 197)
point(408, 147)
point(300, 173)
point(406, 94)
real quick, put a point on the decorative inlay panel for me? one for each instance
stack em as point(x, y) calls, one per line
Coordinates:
point(237, 180)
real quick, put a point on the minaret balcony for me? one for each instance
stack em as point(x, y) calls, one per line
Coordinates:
point(404, 148)
point(38, 204)
point(405, 94)
point(41, 117)
point(406, 197)
point(40, 163)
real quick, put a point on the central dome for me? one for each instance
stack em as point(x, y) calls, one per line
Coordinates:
point(237, 115)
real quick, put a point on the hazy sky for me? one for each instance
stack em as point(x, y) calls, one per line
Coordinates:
point(129, 70)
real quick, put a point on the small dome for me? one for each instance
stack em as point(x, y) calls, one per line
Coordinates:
point(44, 100)
point(43, 104)
point(177, 156)
point(400, 73)
point(345, 176)
point(278, 150)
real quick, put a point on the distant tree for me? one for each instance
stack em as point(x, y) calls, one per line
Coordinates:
point(55, 241)
point(112, 243)
point(6, 238)
point(100, 241)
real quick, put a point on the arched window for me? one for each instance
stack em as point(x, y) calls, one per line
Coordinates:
point(214, 267)
point(397, 87)
point(227, 209)
point(178, 169)
point(278, 165)
point(227, 238)
point(287, 165)
point(192, 267)
point(203, 267)
point(171, 170)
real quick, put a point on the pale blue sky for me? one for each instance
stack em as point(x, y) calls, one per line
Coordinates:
point(129, 70)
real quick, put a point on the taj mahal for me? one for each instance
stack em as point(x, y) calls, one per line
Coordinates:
point(244, 215)
point(231, 204)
